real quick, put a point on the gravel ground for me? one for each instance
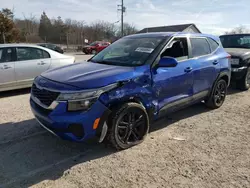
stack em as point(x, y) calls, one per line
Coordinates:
point(195, 147)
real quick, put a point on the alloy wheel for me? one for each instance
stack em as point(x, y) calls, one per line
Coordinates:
point(220, 93)
point(247, 80)
point(131, 126)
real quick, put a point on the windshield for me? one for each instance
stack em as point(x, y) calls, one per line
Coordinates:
point(94, 43)
point(235, 41)
point(128, 51)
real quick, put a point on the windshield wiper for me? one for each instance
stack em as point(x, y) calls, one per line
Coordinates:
point(104, 62)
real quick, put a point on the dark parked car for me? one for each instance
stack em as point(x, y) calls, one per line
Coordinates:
point(131, 83)
point(238, 45)
point(52, 47)
point(95, 47)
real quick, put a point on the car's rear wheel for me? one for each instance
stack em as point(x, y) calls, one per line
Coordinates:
point(218, 95)
point(244, 83)
point(128, 126)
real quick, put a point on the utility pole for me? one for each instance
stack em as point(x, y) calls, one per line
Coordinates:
point(123, 10)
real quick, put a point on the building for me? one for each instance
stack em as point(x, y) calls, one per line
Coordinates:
point(189, 28)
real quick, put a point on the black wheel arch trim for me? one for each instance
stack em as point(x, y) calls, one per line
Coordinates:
point(221, 74)
point(150, 110)
point(224, 73)
point(103, 119)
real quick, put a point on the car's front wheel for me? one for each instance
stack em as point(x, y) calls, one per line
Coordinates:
point(218, 95)
point(128, 126)
point(244, 83)
point(93, 52)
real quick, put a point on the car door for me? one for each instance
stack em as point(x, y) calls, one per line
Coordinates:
point(173, 86)
point(7, 68)
point(31, 62)
point(205, 66)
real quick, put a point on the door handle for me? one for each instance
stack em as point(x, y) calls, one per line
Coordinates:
point(41, 63)
point(6, 67)
point(188, 69)
point(215, 62)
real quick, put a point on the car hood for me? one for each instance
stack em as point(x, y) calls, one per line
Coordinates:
point(88, 75)
point(239, 52)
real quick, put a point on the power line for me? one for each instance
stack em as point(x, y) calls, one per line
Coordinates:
point(123, 10)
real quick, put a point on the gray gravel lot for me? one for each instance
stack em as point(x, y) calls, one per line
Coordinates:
point(195, 147)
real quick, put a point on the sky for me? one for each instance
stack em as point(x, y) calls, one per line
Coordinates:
point(210, 16)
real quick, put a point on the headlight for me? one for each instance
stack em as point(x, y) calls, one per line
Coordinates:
point(84, 99)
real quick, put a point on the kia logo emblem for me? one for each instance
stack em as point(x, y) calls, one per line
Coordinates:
point(42, 82)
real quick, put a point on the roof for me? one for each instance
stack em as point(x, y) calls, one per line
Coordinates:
point(151, 35)
point(52, 53)
point(170, 34)
point(170, 28)
point(238, 34)
point(18, 45)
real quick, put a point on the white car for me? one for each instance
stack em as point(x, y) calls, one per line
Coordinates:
point(21, 63)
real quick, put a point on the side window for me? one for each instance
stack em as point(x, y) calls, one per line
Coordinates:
point(213, 44)
point(178, 49)
point(1, 55)
point(200, 47)
point(6, 55)
point(45, 54)
point(27, 53)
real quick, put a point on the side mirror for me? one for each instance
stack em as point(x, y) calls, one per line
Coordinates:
point(167, 62)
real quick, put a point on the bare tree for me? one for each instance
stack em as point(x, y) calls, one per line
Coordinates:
point(67, 31)
point(128, 29)
point(238, 30)
point(29, 28)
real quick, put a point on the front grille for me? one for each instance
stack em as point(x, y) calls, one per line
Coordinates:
point(46, 97)
point(40, 109)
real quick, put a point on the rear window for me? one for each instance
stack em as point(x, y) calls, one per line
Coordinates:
point(236, 41)
point(200, 47)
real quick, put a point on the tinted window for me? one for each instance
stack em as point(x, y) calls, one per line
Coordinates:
point(1, 55)
point(213, 44)
point(45, 54)
point(26, 53)
point(51, 46)
point(236, 41)
point(6, 55)
point(200, 47)
point(178, 49)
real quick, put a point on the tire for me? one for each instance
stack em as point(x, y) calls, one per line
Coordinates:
point(244, 83)
point(218, 95)
point(128, 126)
point(93, 52)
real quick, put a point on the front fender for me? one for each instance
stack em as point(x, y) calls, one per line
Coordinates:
point(132, 92)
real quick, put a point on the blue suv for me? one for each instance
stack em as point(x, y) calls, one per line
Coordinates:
point(136, 80)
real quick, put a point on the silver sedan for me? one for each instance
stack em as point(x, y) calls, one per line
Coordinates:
point(21, 63)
